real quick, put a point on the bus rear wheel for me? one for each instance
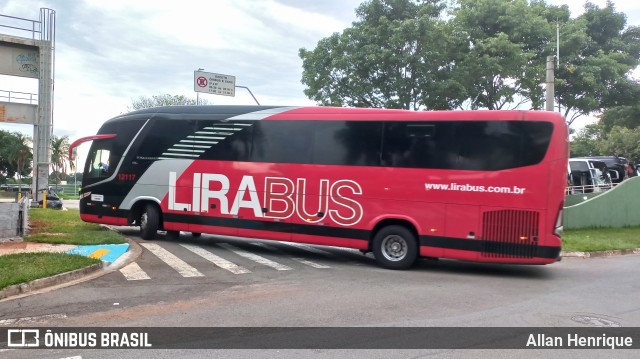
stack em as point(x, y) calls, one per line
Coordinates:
point(149, 222)
point(395, 247)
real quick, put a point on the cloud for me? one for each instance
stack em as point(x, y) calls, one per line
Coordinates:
point(110, 52)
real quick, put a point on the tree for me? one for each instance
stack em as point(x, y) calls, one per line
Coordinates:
point(588, 141)
point(399, 54)
point(21, 155)
point(163, 100)
point(596, 58)
point(15, 154)
point(623, 142)
point(490, 54)
point(59, 156)
point(507, 42)
point(623, 116)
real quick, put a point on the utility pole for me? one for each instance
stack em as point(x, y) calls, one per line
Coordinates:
point(550, 93)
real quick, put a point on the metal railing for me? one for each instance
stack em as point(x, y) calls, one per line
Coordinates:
point(589, 188)
point(19, 97)
point(21, 26)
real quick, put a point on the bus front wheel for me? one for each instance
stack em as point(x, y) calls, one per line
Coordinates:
point(149, 222)
point(395, 247)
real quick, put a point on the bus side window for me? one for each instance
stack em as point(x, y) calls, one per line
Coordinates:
point(411, 145)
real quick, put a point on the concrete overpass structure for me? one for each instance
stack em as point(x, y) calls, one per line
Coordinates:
point(27, 49)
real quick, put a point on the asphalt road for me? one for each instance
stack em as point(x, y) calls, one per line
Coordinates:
point(267, 284)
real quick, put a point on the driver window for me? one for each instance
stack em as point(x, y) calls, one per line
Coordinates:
point(100, 166)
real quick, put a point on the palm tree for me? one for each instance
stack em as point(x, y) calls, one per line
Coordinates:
point(20, 153)
point(59, 159)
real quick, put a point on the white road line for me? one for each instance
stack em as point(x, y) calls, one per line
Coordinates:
point(310, 263)
point(174, 262)
point(301, 260)
point(341, 256)
point(255, 257)
point(220, 262)
point(308, 248)
point(134, 272)
point(31, 319)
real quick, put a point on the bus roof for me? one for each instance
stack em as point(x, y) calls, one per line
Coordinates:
point(333, 113)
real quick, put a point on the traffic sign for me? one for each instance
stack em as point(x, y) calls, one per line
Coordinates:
point(213, 83)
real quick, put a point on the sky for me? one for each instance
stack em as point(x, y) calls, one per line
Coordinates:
point(108, 53)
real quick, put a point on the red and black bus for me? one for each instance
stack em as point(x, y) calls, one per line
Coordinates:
point(483, 186)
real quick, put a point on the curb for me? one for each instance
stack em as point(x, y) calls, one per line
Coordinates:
point(617, 252)
point(36, 284)
point(73, 277)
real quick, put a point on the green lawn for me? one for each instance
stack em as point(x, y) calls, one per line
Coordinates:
point(54, 226)
point(600, 239)
point(66, 227)
point(25, 267)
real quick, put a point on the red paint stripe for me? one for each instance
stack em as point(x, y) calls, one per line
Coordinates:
point(93, 218)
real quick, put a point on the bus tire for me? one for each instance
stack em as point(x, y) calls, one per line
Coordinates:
point(173, 235)
point(149, 222)
point(196, 234)
point(395, 247)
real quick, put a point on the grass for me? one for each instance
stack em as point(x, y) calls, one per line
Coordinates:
point(600, 239)
point(66, 227)
point(25, 267)
point(68, 196)
point(54, 226)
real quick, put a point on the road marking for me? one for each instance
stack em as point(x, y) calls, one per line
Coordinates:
point(174, 262)
point(340, 256)
point(301, 260)
point(220, 262)
point(307, 248)
point(32, 319)
point(97, 254)
point(255, 257)
point(310, 263)
point(134, 272)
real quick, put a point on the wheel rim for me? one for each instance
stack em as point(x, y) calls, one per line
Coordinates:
point(394, 248)
point(143, 221)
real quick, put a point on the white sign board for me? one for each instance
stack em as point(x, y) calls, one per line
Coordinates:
point(216, 84)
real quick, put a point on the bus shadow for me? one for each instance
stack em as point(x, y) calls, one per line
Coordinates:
point(345, 256)
point(451, 266)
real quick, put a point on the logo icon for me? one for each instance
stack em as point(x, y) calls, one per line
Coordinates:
point(23, 338)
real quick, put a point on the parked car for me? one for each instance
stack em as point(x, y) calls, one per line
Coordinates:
point(53, 201)
point(587, 175)
point(617, 167)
